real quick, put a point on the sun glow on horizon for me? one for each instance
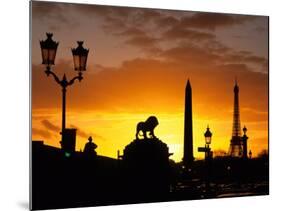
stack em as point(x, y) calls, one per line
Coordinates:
point(112, 132)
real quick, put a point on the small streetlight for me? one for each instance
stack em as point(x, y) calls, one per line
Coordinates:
point(208, 136)
point(245, 130)
point(80, 55)
point(208, 154)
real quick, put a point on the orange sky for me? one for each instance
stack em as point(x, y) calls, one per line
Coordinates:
point(138, 64)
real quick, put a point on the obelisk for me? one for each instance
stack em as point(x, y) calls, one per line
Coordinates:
point(188, 136)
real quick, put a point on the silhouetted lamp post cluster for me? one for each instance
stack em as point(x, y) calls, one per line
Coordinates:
point(80, 55)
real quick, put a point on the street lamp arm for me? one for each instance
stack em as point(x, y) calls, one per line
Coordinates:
point(79, 78)
point(48, 72)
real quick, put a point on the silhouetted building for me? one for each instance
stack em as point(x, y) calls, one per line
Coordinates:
point(236, 145)
point(40, 149)
point(60, 181)
point(188, 136)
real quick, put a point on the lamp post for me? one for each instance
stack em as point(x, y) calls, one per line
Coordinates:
point(208, 141)
point(244, 142)
point(80, 54)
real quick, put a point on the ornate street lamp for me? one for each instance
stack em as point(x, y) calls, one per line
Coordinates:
point(48, 50)
point(80, 55)
point(208, 157)
point(208, 136)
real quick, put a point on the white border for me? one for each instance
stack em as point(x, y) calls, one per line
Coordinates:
point(15, 103)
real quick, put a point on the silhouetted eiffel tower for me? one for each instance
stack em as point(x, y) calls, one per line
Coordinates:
point(236, 145)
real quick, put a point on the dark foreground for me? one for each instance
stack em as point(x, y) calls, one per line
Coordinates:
point(60, 181)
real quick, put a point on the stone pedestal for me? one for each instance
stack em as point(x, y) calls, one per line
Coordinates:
point(146, 163)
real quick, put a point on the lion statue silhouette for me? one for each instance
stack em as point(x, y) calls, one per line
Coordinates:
point(147, 126)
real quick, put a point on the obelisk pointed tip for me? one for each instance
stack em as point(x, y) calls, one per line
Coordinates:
point(188, 83)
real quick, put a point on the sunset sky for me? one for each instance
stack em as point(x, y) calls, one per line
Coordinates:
point(138, 66)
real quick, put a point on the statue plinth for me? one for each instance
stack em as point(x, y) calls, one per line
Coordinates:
point(147, 164)
point(146, 152)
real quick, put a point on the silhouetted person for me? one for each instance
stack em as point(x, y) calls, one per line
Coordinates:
point(147, 126)
point(90, 147)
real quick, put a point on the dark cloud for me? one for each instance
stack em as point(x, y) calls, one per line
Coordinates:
point(260, 63)
point(214, 53)
point(255, 59)
point(50, 126)
point(234, 68)
point(39, 132)
point(192, 54)
point(131, 31)
point(40, 117)
point(250, 58)
point(80, 132)
point(139, 27)
point(147, 19)
point(214, 46)
point(176, 33)
point(154, 84)
point(166, 22)
point(142, 41)
point(213, 21)
point(142, 28)
point(117, 14)
point(113, 25)
point(54, 128)
point(86, 135)
point(139, 38)
point(199, 20)
point(53, 14)
point(104, 11)
point(45, 10)
point(117, 18)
